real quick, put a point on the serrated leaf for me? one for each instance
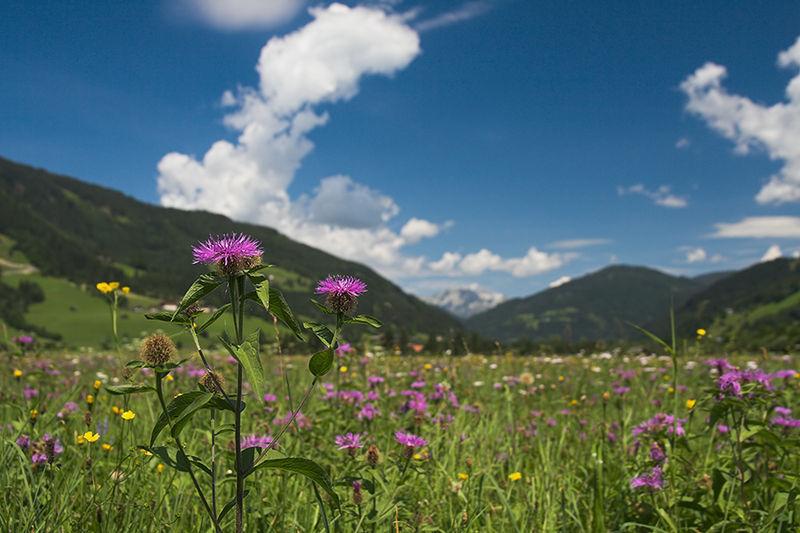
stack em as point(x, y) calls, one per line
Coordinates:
point(305, 467)
point(202, 286)
point(213, 318)
point(364, 319)
point(321, 362)
point(281, 310)
point(261, 284)
point(128, 389)
point(179, 412)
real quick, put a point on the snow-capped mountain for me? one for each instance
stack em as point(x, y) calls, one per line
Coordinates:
point(466, 301)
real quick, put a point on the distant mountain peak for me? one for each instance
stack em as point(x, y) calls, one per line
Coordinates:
point(466, 301)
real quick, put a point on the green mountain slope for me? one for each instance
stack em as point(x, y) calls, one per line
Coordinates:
point(750, 309)
point(597, 306)
point(83, 233)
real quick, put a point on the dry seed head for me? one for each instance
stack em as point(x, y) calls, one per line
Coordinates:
point(213, 382)
point(157, 349)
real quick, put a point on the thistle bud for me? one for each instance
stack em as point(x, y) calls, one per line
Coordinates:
point(373, 455)
point(357, 497)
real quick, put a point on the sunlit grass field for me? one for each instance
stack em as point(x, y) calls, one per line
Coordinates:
point(513, 444)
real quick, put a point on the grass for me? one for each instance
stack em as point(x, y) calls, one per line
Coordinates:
point(546, 418)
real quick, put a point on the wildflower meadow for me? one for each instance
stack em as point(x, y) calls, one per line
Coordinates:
point(344, 438)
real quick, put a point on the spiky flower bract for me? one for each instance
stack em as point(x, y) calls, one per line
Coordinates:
point(213, 382)
point(157, 349)
point(231, 253)
point(341, 292)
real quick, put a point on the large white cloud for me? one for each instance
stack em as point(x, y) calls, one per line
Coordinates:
point(775, 128)
point(248, 179)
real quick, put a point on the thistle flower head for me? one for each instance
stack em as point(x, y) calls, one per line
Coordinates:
point(231, 253)
point(157, 349)
point(409, 440)
point(341, 292)
point(349, 441)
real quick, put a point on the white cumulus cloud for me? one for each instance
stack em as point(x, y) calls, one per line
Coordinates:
point(700, 255)
point(775, 128)
point(534, 262)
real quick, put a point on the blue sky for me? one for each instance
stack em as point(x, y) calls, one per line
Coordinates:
point(443, 143)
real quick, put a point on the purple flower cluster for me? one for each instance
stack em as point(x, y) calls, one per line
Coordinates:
point(341, 292)
point(43, 451)
point(409, 440)
point(349, 441)
point(257, 441)
point(652, 480)
point(660, 424)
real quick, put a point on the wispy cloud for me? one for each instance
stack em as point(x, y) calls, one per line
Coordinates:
point(464, 12)
point(238, 14)
point(662, 196)
point(769, 227)
point(574, 244)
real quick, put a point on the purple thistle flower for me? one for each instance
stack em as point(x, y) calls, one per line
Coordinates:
point(656, 453)
point(349, 441)
point(341, 292)
point(783, 411)
point(270, 398)
point(232, 252)
point(24, 441)
point(786, 421)
point(409, 440)
point(368, 412)
point(30, 393)
point(38, 459)
point(24, 340)
point(652, 481)
point(343, 349)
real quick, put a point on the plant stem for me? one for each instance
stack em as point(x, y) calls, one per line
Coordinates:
point(236, 284)
point(160, 393)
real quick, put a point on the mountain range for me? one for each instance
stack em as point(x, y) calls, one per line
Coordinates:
point(59, 236)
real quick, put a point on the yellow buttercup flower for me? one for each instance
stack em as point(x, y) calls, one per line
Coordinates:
point(515, 476)
point(463, 476)
point(701, 332)
point(128, 415)
point(690, 404)
point(79, 439)
point(104, 287)
point(114, 285)
point(34, 414)
point(417, 457)
point(573, 403)
point(169, 377)
point(107, 447)
point(670, 390)
point(17, 373)
point(90, 399)
point(427, 366)
point(342, 369)
point(116, 410)
point(160, 468)
point(126, 289)
point(561, 378)
point(91, 437)
point(97, 384)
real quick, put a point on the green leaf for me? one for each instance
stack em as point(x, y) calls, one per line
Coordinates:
point(230, 505)
point(202, 286)
point(305, 467)
point(321, 362)
point(128, 389)
point(179, 412)
point(163, 453)
point(324, 308)
point(364, 319)
point(135, 364)
point(653, 337)
point(261, 284)
point(247, 355)
point(281, 310)
point(213, 318)
point(166, 316)
point(320, 331)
